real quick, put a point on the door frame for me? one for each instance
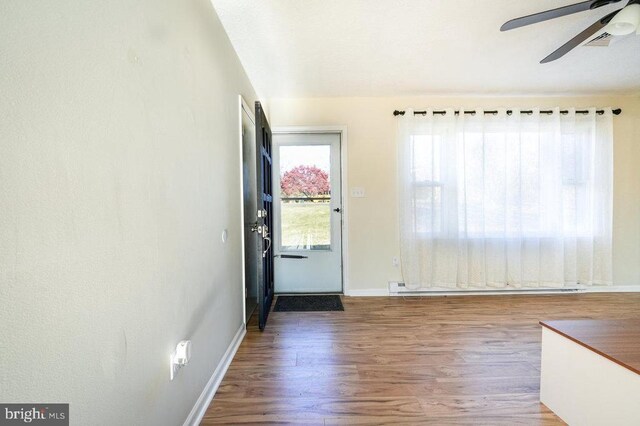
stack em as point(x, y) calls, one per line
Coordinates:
point(243, 107)
point(342, 131)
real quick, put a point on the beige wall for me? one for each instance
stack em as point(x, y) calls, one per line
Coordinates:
point(119, 171)
point(373, 221)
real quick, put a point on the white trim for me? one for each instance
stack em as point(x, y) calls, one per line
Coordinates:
point(198, 410)
point(367, 292)
point(397, 289)
point(243, 107)
point(613, 289)
point(342, 130)
point(378, 292)
point(490, 292)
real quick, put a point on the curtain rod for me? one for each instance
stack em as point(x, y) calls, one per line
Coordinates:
point(616, 111)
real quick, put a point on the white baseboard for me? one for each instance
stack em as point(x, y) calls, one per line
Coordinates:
point(613, 289)
point(198, 410)
point(393, 291)
point(368, 292)
point(496, 292)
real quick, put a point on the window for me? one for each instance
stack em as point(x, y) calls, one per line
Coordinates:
point(504, 200)
point(500, 184)
point(428, 184)
point(305, 191)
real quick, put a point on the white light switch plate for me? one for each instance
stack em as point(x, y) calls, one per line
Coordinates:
point(357, 192)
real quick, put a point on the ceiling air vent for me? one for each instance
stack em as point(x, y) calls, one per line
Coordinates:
point(602, 40)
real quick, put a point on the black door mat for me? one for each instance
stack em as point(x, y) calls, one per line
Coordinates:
point(308, 303)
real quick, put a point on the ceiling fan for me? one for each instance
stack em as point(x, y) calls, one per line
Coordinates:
point(621, 22)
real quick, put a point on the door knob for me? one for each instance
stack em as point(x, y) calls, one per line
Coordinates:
point(337, 210)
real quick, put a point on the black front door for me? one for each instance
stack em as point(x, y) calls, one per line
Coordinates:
point(265, 215)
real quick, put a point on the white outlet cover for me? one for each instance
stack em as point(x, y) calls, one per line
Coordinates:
point(179, 358)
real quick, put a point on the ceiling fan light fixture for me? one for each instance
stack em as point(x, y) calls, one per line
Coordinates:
point(626, 21)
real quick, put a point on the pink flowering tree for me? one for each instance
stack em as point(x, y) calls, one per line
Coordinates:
point(305, 181)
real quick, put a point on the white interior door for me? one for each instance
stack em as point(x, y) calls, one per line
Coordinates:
point(308, 213)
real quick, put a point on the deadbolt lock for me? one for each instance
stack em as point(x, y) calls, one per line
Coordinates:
point(263, 230)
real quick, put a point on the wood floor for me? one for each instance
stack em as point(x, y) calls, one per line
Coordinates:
point(422, 360)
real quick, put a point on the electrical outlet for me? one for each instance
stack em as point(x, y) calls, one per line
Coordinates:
point(395, 261)
point(179, 358)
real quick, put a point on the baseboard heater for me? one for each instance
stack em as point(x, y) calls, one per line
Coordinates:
point(399, 289)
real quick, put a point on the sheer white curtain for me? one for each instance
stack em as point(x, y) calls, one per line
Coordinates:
point(506, 201)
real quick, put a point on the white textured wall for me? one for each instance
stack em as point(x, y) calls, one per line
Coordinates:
point(583, 387)
point(373, 221)
point(119, 170)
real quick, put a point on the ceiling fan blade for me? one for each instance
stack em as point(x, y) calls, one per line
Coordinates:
point(546, 15)
point(579, 39)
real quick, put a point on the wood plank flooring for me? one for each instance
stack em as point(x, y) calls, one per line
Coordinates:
point(393, 360)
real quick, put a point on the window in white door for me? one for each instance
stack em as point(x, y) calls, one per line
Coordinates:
point(305, 197)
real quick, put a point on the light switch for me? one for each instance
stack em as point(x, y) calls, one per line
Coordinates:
point(357, 192)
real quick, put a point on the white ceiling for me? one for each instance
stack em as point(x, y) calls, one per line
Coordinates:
point(305, 48)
